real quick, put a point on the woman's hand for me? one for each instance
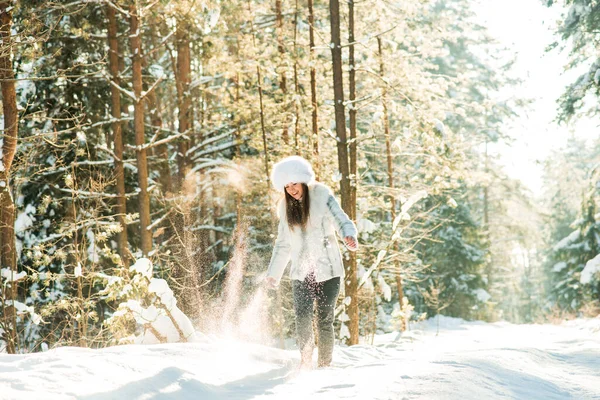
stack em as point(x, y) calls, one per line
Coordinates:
point(270, 282)
point(351, 243)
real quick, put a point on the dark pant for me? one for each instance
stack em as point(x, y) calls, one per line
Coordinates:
point(325, 294)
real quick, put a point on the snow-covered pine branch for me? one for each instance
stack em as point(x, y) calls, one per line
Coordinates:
point(151, 304)
point(210, 140)
point(154, 143)
point(210, 228)
point(108, 122)
point(204, 163)
point(161, 219)
point(79, 164)
point(84, 194)
point(219, 148)
point(79, 226)
point(121, 89)
point(204, 79)
point(330, 134)
point(145, 93)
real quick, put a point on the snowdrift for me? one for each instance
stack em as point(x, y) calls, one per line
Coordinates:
point(466, 360)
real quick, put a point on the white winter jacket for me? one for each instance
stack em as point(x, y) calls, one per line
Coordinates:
point(316, 248)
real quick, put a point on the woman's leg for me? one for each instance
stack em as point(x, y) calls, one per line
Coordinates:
point(326, 294)
point(303, 308)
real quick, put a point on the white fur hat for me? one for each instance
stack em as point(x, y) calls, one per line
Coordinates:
point(292, 169)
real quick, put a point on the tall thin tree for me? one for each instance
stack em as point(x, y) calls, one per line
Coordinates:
point(8, 146)
point(313, 88)
point(296, 84)
point(390, 166)
point(352, 110)
point(350, 282)
point(353, 309)
point(282, 72)
point(117, 137)
point(135, 40)
point(184, 101)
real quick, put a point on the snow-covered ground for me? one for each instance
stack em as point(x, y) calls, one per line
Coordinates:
point(467, 360)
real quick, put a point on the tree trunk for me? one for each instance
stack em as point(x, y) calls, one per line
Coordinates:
point(313, 88)
point(486, 215)
point(117, 138)
point(390, 168)
point(352, 106)
point(489, 271)
point(283, 80)
point(138, 124)
point(296, 86)
point(164, 171)
point(8, 257)
point(261, 109)
point(353, 312)
point(263, 129)
point(278, 301)
point(9, 94)
point(344, 168)
point(238, 135)
point(183, 78)
point(8, 260)
point(156, 119)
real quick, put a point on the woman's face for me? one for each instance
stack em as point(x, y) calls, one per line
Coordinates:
point(295, 190)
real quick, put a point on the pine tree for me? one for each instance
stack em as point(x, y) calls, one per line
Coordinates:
point(566, 178)
point(579, 32)
point(569, 257)
point(454, 255)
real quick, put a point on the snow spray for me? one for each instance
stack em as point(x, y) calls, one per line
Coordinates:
point(247, 319)
point(233, 282)
point(254, 319)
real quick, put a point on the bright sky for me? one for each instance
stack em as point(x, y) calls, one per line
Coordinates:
point(526, 26)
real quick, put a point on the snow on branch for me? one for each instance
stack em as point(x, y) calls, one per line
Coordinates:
point(8, 275)
point(84, 194)
point(161, 219)
point(210, 140)
point(147, 92)
point(154, 307)
point(565, 242)
point(592, 268)
point(330, 134)
point(203, 80)
point(154, 143)
point(403, 215)
point(210, 162)
point(149, 6)
point(211, 228)
point(162, 43)
point(109, 121)
point(221, 147)
point(78, 164)
point(365, 277)
point(122, 89)
point(22, 308)
point(77, 227)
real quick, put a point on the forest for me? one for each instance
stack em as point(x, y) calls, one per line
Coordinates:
point(138, 139)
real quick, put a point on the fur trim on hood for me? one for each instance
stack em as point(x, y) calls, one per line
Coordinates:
point(292, 169)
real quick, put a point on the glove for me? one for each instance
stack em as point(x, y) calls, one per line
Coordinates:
point(270, 283)
point(351, 243)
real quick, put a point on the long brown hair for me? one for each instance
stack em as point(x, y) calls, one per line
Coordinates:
point(297, 211)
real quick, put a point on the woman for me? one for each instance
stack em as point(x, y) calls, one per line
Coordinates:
point(308, 219)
